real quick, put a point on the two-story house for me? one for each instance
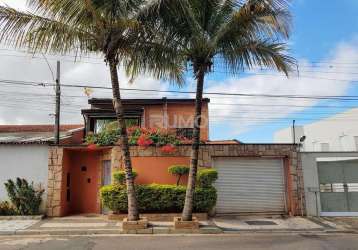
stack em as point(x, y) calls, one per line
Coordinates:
point(172, 114)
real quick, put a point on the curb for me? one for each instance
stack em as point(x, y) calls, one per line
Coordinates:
point(165, 231)
point(150, 230)
point(22, 217)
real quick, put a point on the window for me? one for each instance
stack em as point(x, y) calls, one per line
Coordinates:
point(356, 142)
point(352, 187)
point(185, 132)
point(101, 124)
point(332, 187)
point(338, 187)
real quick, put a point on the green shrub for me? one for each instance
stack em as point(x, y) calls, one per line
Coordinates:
point(206, 177)
point(25, 198)
point(7, 209)
point(179, 171)
point(157, 198)
point(119, 177)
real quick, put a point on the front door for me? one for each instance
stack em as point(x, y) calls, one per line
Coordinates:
point(338, 187)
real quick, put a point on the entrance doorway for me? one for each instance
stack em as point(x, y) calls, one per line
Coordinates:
point(81, 182)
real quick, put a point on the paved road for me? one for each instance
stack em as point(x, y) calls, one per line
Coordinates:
point(216, 242)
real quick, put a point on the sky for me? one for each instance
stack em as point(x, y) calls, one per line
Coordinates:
point(324, 42)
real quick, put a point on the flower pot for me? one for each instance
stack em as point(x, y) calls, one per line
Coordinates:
point(179, 224)
point(142, 223)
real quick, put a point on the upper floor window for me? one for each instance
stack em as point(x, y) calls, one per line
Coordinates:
point(101, 124)
point(186, 132)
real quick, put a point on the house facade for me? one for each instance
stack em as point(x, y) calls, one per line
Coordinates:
point(176, 115)
point(252, 178)
point(333, 134)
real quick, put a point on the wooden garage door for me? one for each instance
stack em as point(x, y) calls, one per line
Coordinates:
point(250, 185)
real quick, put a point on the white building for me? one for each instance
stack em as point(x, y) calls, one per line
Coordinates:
point(336, 133)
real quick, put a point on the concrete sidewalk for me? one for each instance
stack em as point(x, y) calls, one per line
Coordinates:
point(100, 225)
point(81, 225)
point(266, 223)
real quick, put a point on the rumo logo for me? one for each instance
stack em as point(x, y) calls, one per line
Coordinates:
point(177, 121)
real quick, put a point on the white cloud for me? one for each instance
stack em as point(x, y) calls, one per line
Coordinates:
point(32, 105)
point(311, 82)
point(18, 4)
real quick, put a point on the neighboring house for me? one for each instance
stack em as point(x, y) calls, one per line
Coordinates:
point(24, 151)
point(173, 114)
point(331, 183)
point(336, 133)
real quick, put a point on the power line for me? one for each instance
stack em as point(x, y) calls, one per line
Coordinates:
point(337, 97)
point(279, 105)
point(215, 71)
point(333, 62)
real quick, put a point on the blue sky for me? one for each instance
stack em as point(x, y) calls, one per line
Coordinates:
point(324, 40)
point(318, 28)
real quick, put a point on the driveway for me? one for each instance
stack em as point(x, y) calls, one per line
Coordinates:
point(214, 242)
point(346, 222)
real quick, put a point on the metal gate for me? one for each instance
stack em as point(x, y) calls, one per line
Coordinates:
point(106, 178)
point(250, 185)
point(338, 187)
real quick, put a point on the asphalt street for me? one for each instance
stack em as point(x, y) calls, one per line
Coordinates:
point(172, 242)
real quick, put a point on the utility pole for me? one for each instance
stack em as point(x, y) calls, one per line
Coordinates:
point(58, 101)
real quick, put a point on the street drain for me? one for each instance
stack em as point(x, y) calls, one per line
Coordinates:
point(260, 223)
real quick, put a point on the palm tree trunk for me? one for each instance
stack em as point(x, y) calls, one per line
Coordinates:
point(133, 213)
point(189, 196)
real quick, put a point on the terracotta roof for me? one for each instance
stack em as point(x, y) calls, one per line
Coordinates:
point(36, 128)
point(34, 134)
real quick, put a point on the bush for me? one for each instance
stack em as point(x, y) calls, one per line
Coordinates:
point(119, 177)
point(179, 171)
point(25, 198)
point(7, 209)
point(157, 198)
point(206, 177)
point(136, 136)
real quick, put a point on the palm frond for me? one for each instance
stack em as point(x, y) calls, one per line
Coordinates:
point(156, 59)
point(256, 18)
point(25, 29)
point(263, 53)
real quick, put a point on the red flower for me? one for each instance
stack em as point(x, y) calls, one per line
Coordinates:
point(168, 148)
point(144, 141)
point(92, 146)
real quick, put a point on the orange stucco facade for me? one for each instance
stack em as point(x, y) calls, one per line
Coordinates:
point(155, 169)
point(82, 171)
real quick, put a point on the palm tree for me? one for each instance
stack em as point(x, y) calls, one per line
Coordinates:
point(109, 27)
point(236, 34)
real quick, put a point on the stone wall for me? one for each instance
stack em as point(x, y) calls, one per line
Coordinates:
point(55, 167)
